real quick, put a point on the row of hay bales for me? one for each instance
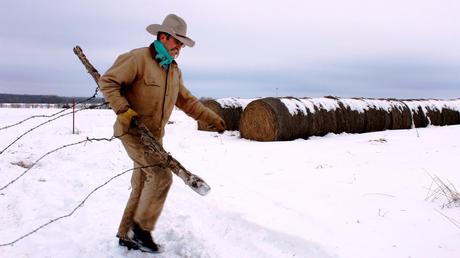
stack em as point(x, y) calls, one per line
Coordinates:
point(277, 119)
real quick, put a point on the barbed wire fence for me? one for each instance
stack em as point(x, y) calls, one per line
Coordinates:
point(53, 117)
point(59, 112)
point(41, 124)
point(80, 204)
point(52, 151)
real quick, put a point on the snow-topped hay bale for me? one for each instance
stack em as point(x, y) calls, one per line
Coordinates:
point(377, 115)
point(324, 114)
point(434, 112)
point(278, 119)
point(419, 118)
point(275, 119)
point(368, 115)
point(229, 109)
point(269, 119)
point(354, 120)
point(450, 117)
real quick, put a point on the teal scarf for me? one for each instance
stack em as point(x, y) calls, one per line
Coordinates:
point(162, 54)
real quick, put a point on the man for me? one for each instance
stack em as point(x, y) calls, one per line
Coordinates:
point(147, 83)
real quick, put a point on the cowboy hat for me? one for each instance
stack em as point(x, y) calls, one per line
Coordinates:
point(174, 26)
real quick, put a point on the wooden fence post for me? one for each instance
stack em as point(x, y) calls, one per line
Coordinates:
point(73, 117)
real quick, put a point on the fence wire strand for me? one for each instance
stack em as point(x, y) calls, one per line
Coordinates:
point(53, 117)
point(39, 125)
point(52, 151)
point(55, 114)
point(75, 209)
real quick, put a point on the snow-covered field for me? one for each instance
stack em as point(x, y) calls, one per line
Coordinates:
point(347, 196)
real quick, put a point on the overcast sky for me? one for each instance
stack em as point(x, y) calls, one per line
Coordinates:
point(368, 48)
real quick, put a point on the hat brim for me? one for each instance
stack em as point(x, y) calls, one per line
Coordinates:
point(155, 28)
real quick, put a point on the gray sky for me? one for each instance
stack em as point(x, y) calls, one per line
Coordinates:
point(391, 48)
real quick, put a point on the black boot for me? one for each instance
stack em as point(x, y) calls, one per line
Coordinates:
point(128, 243)
point(144, 240)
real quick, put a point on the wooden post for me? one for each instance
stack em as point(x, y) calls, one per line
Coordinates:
point(73, 117)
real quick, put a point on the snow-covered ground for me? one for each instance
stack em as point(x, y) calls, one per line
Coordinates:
point(347, 195)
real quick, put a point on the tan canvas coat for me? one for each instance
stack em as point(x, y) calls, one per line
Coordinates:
point(136, 80)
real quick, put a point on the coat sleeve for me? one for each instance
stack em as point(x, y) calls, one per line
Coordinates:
point(192, 106)
point(122, 74)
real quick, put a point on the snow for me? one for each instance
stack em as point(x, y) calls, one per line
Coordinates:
point(346, 195)
point(234, 102)
point(433, 104)
point(296, 106)
point(325, 103)
point(355, 104)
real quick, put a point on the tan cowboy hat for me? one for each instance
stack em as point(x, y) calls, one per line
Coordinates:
point(174, 26)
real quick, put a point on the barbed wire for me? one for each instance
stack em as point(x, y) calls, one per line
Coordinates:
point(80, 204)
point(52, 151)
point(55, 114)
point(75, 209)
point(39, 125)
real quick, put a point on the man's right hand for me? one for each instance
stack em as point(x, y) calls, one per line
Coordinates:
point(126, 117)
point(218, 124)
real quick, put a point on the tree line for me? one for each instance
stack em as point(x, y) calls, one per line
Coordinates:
point(45, 99)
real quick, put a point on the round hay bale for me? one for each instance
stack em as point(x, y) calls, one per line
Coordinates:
point(450, 117)
point(307, 122)
point(324, 115)
point(328, 121)
point(401, 117)
point(353, 112)
point(340, 117)
point(229, 113)
point(261, 120)
point(420, 118)
point(269, 119)
point(434, 115)
point(392, 104)
point(375, 118)
point(434, 112)
point(418, 113)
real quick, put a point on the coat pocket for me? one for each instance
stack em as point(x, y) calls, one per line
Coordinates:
point(151, 82)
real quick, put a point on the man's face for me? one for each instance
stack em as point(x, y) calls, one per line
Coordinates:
point(172, 45)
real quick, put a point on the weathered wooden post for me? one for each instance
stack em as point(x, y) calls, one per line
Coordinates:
point(73, 117)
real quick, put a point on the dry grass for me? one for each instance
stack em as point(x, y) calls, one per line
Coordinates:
point(445, 192)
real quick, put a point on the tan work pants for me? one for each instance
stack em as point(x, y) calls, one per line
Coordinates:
point(150, 188)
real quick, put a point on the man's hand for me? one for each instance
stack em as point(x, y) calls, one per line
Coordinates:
point(126, 117)
point(218, 124)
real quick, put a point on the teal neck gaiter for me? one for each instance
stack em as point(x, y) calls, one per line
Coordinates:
point(162, 54)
